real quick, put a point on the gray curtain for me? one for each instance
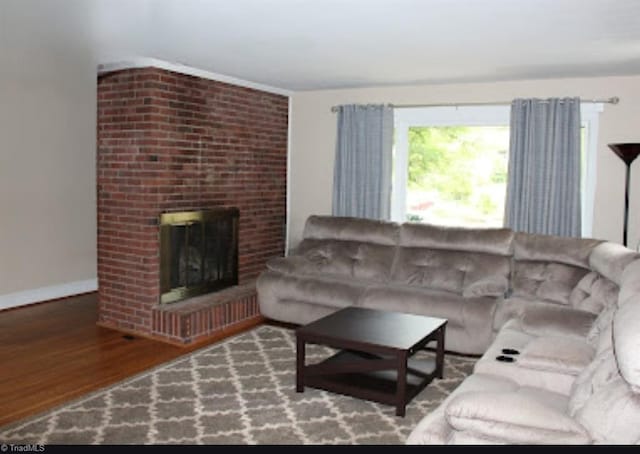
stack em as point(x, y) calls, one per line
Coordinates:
point(362, 170)
point(543, 185)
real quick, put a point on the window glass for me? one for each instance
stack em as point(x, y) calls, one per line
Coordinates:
point(457, 175)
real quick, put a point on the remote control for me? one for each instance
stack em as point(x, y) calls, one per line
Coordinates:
point(505, 359)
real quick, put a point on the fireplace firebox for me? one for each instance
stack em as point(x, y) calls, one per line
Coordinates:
point(198, 252)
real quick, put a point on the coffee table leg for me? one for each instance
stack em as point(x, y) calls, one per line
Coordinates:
point(401, 390)
point(300, 361)
point(440, 353)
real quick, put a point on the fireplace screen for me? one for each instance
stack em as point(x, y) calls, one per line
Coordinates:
point(198, 252)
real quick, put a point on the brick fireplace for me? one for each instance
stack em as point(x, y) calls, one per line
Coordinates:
point(170, 142)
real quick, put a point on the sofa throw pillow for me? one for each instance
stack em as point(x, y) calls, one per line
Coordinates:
point(486, 286)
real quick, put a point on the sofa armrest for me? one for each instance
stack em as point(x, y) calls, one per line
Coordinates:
point(513, 418)
point(486, 286)
point(288, 265)
point(293, 251)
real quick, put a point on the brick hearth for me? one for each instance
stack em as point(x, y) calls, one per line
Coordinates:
point(174, 142)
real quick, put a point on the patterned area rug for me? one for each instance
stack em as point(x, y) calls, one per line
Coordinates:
point(239, 391)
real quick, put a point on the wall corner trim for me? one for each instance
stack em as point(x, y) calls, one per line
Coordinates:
point(51, 292)
point(146, 62)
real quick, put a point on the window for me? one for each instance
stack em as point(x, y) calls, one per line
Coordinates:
point(589, 115)
point(450, 165)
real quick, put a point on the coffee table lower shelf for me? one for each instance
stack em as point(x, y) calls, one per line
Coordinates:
point(374, 385)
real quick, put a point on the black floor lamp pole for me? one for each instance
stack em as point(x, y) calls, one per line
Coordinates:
point(627, 152)
point(626, 205)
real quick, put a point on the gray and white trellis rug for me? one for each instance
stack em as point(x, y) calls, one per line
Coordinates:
point(240, 391)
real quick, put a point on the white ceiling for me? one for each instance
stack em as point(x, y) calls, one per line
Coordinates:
point(320, 44)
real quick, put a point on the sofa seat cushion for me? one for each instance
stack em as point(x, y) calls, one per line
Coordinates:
point(556, 354)
point(434, 427)
point(555, 320)
point(469, 327)
point(526, 415)
point(295, 312)
point(325, 291)
point(470, 274)
point(536, 371)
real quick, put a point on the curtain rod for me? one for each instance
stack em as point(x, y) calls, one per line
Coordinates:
point(612, 100)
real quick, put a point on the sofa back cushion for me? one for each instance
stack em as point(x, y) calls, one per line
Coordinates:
point(599, 289)
point(470, 274)
point(547, 281)
point(345, 259)
point(496, 241)
point(594, 293)
point(351, 229)
point(470, 262)
point(551, 248)
point(548, 267)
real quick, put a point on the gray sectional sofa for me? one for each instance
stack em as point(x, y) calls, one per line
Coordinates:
point(570, 308)
point(574, 384)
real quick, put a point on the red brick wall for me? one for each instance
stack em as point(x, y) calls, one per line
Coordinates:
point(173, 142)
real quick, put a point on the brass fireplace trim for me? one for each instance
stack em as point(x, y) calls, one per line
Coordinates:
point(167, 220)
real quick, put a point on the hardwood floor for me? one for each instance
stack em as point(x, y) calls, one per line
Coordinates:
point(53, 352)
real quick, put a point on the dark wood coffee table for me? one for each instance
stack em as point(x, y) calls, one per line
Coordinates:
point(375, 362)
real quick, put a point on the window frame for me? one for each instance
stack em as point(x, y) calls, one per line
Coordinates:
point(484, 115)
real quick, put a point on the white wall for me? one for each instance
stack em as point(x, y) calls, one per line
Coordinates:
point(47, 155)
point(314, 128)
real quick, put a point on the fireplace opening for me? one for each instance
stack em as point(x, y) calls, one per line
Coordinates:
point(198, 252)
